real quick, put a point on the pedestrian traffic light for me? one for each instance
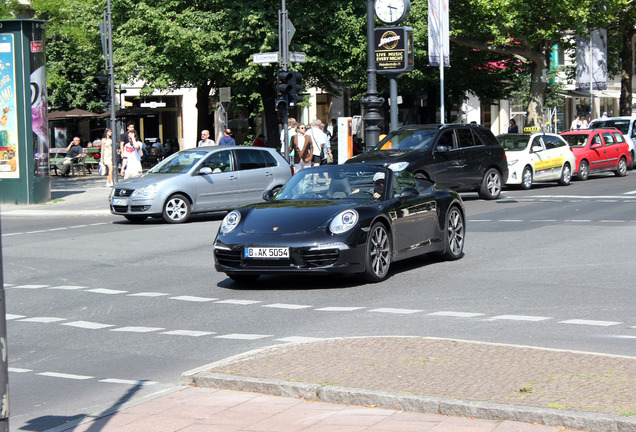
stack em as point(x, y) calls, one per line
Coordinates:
point(101, 87)
point(296, 88)
point(284, 84)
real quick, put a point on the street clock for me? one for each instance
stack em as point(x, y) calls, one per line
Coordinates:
point(392, 11)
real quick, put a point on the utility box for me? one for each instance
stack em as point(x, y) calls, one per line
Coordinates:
point(24, 141)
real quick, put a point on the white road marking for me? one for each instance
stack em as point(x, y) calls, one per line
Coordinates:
point(134, 329)
point(148, 294)
point(510, 220)
point(88, 325)
point(128, 382)
point(35, 232)
point(242, 336)
point(340, 309)
point(578, 220)
point(631, 192)
point(299, 339)
point(239, 302)
point(396, 311)
point(64, 375)
point(68, 287)
point(623, 337)
point(193, 298)
point(286, 306)
point(57, 229)
point(78, 226)
point(456, 314)
point(590, 322)
point(520, 318)
point(19, 370)
point(543, 220)
point(13, 316)
point(43, 319)
point(480, 220)
point(30, 286)
point(612, 221)
point(106, 291)
point(193, 333)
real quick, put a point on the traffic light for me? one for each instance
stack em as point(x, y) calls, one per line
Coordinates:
point(296, 88)
point(283, 88)
point(101, 87)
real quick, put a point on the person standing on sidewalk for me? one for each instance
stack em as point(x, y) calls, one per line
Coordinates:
point(106, 153)
point(227, 138)
point(132, 157)
point(205, 139)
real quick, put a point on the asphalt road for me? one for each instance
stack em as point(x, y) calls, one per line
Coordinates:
point(101, 310)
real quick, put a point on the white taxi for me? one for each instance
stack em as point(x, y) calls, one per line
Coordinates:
point(537, 157)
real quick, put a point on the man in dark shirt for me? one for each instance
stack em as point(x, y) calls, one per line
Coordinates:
point(227, 138)
point(73, 151)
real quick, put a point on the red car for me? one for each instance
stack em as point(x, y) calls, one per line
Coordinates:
point(598, 150)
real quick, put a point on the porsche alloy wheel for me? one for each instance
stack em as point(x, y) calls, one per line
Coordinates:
point(454, 234)
point(176, 209)
point(378, 254)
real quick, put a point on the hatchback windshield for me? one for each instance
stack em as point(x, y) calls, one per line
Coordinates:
point(336, 182)
point(513, 142)
point(575, 140)
point(408, 140)
point(180, 162)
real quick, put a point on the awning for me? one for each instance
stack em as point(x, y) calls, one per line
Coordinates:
point(75, 113)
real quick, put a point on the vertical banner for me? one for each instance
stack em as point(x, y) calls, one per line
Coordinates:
point(438, 36)
point(39, 114)
point(9, 155)
point(591, 61)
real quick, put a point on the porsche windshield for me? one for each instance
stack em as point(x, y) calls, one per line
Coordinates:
point(408, 140)
point(180, 162)
point(333, 182)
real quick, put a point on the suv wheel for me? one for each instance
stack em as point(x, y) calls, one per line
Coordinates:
point(491, 185)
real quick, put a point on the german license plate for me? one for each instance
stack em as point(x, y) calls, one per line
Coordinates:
point(120, 201)
point(267, 252)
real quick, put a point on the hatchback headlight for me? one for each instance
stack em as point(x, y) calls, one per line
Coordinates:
point(344, 221)
point(147, 191)
point(230, 221)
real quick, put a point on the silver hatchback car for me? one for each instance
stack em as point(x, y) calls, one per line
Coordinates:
point(202, 179)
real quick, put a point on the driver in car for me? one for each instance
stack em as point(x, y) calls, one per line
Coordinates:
point(378, 186)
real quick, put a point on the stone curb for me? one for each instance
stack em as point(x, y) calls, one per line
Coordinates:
point(590, 422)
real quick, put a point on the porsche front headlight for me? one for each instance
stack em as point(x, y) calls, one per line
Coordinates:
point(230, 221)
point(344, 221)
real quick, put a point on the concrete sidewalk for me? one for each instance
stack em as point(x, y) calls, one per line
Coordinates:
point(395, 384)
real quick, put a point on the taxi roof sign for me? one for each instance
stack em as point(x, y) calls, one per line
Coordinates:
point(531, 129)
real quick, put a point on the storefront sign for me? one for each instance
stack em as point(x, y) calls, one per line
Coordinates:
point(394, 50)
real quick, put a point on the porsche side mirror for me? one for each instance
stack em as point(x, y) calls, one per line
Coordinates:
point(408, 193)
point(268, 195)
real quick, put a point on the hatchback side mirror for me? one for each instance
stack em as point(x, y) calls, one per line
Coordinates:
point(205, 171)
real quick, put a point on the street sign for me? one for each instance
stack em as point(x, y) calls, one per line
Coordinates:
point(224, 94)
point(291, 30)
point(265, 58)
point(297, 57)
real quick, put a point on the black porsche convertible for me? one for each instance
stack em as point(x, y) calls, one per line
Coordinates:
point(354, 218)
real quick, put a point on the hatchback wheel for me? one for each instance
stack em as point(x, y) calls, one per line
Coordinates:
point(584, 170)
point(566, 175)
point(176, 209)
point(454, 234)
point(378, 259)
point(526, 178)
point(491, 185)
point(621, 170)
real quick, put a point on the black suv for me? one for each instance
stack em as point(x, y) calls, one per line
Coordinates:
point(461, 157)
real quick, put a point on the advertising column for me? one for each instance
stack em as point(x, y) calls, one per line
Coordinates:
point(24, 146)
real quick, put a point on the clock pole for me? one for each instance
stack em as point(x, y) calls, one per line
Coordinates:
point(371, 101)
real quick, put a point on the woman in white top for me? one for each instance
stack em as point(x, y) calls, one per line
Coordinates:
point(106, 157)
point(132, 155)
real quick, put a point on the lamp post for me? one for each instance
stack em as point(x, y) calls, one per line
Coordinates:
point(371, 101)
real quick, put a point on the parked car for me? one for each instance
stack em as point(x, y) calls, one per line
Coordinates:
point(537, 157)
point(598, 150)
point(348, 219)
point(461, 157)
point(627, 126)
point(201, 179)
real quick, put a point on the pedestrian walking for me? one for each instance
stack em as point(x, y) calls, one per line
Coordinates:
point(205, 139)
point(227, 139)
point(106, 155)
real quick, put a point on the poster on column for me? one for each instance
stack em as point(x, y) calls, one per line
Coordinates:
point(9, 155)
point(39, 115)
point(591, 61)
point(438, 37)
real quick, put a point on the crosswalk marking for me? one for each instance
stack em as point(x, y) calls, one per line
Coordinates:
point(13, 316)
point(30, 286)
point(65, 375)
point(127, 381)
point(590, 322)
point(520, 318)
point(457, 314)
point(299, 339)
point(19, 370)
point(67, 287)
point(134, 329)
point(340, 308)
point(193, 298)
point(43, 319)
point(239, 302)
point(192, 333)
point(106, 291)
point(87, 325)
point(148, 294)
point(286, 306)
point(242, 336)
point(396, 311)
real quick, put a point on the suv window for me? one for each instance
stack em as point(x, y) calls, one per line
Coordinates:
point(486, 137)
point(251, 159)
point(220, 162)
point(446, 139)
point(465, 137)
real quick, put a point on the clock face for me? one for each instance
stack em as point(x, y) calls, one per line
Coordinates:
point(391, 11)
